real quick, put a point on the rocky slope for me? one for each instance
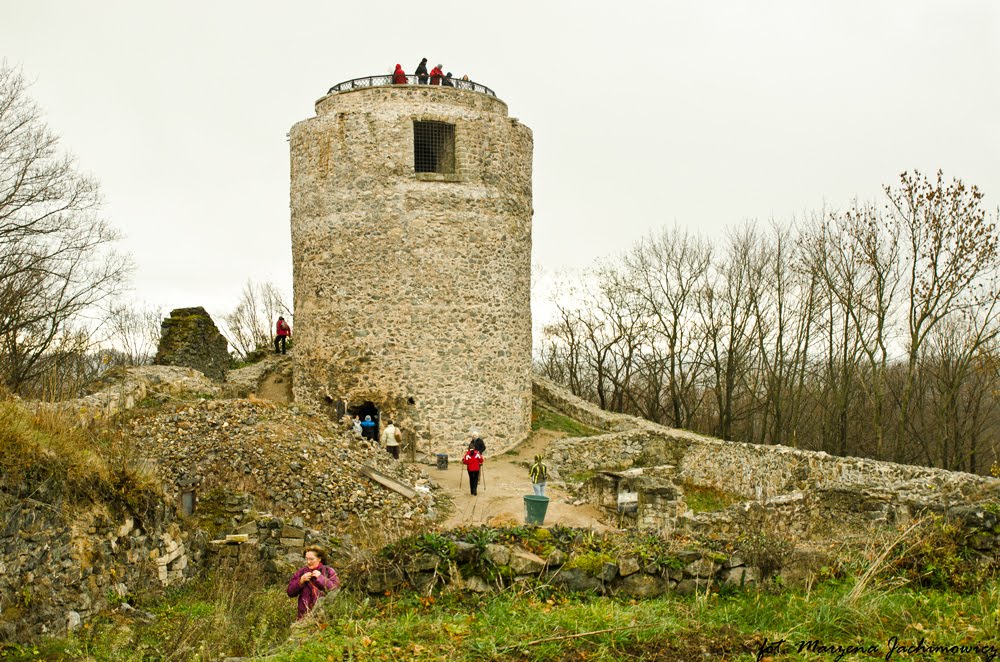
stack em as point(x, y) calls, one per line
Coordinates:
point(293, 460)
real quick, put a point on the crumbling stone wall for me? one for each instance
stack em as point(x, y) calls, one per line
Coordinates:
point(56, 574)
point(412, 290)
point(190, 338)
point(492, 567)
point(750, 470)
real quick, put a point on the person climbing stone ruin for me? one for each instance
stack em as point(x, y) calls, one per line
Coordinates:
point(282, 333)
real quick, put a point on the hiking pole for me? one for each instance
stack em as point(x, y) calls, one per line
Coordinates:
point(482, 476)
point(461, 470)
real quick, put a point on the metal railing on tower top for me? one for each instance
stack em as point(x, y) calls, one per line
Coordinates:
point(386, 79)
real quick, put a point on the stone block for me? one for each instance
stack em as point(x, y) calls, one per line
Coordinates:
point(422, 562)
point(523, 562)
point(703, 567)
point(476, 585)
point(167, 558)
point(628, 566)
point(740, 576)
point(689, 586)
point(250, 528)
point(642, 586)
point(293, 542)
point(292, 532)
point(556, 558)
point(498, 555)
point(73, 620)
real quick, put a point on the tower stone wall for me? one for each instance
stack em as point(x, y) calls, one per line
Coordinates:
point(412, 289)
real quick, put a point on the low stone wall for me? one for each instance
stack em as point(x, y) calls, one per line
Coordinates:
point(55, 575)
point(493, 567)
point(123, 389)
point(750, 470)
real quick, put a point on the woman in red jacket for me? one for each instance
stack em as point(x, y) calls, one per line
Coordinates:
point(473, 460)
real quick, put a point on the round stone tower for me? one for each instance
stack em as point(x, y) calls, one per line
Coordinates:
point(411, 248)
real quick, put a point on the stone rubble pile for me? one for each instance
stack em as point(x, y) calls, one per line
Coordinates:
point(291, 459)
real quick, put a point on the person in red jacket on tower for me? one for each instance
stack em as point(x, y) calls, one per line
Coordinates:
point(473, 460)
point(282, 332)
point(437, 73)
point(399, 76)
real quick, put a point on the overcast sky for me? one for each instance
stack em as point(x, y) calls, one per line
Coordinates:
point(703, 114)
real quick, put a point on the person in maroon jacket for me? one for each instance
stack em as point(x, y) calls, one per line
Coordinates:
point(473, 460)
point(282, 332)
point(399, 76)
point(437, 73)
point(313, 581)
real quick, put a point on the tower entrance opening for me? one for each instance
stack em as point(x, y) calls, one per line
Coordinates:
point(364, 411)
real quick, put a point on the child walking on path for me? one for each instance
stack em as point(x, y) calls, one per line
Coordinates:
point(538, 473)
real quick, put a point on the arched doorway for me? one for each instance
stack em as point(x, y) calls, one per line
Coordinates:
point(363, 411)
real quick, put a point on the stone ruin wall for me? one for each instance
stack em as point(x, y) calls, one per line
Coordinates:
point(189, 338)
point(412, 290)
point(793, 489)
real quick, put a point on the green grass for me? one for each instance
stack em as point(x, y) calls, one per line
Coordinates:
point(543, 419)
point(718, 626)
point(230, 613)
point(708, 499)
point(215, 618)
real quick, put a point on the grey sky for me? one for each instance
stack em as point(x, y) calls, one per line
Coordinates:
point(644, 114)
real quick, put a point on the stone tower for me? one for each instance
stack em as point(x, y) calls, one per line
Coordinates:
point(411, 249)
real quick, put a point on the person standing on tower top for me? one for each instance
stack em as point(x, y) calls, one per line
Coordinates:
point(437, 73)
point(421, 72)
point(282, 333)
point(399, 76)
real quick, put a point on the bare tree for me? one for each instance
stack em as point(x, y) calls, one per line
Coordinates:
point(728, 324)
point(56, 255)
point(948, 247)
point(134, 331)
point(668, 271)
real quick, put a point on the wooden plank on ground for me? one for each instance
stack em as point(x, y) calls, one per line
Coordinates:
point(391, 483)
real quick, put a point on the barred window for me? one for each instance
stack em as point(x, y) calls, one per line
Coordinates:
point(434, 147)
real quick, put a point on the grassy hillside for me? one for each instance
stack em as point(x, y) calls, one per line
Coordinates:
point(891, 592)
point(219, 618)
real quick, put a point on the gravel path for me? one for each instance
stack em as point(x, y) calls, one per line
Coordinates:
point(500, 499)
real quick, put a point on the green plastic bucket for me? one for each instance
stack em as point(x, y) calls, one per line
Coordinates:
point(534, 508)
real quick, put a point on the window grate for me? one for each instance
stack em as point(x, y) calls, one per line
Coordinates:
point(434, 147)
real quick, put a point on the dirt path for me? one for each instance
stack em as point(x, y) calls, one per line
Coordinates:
point(502, 487)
